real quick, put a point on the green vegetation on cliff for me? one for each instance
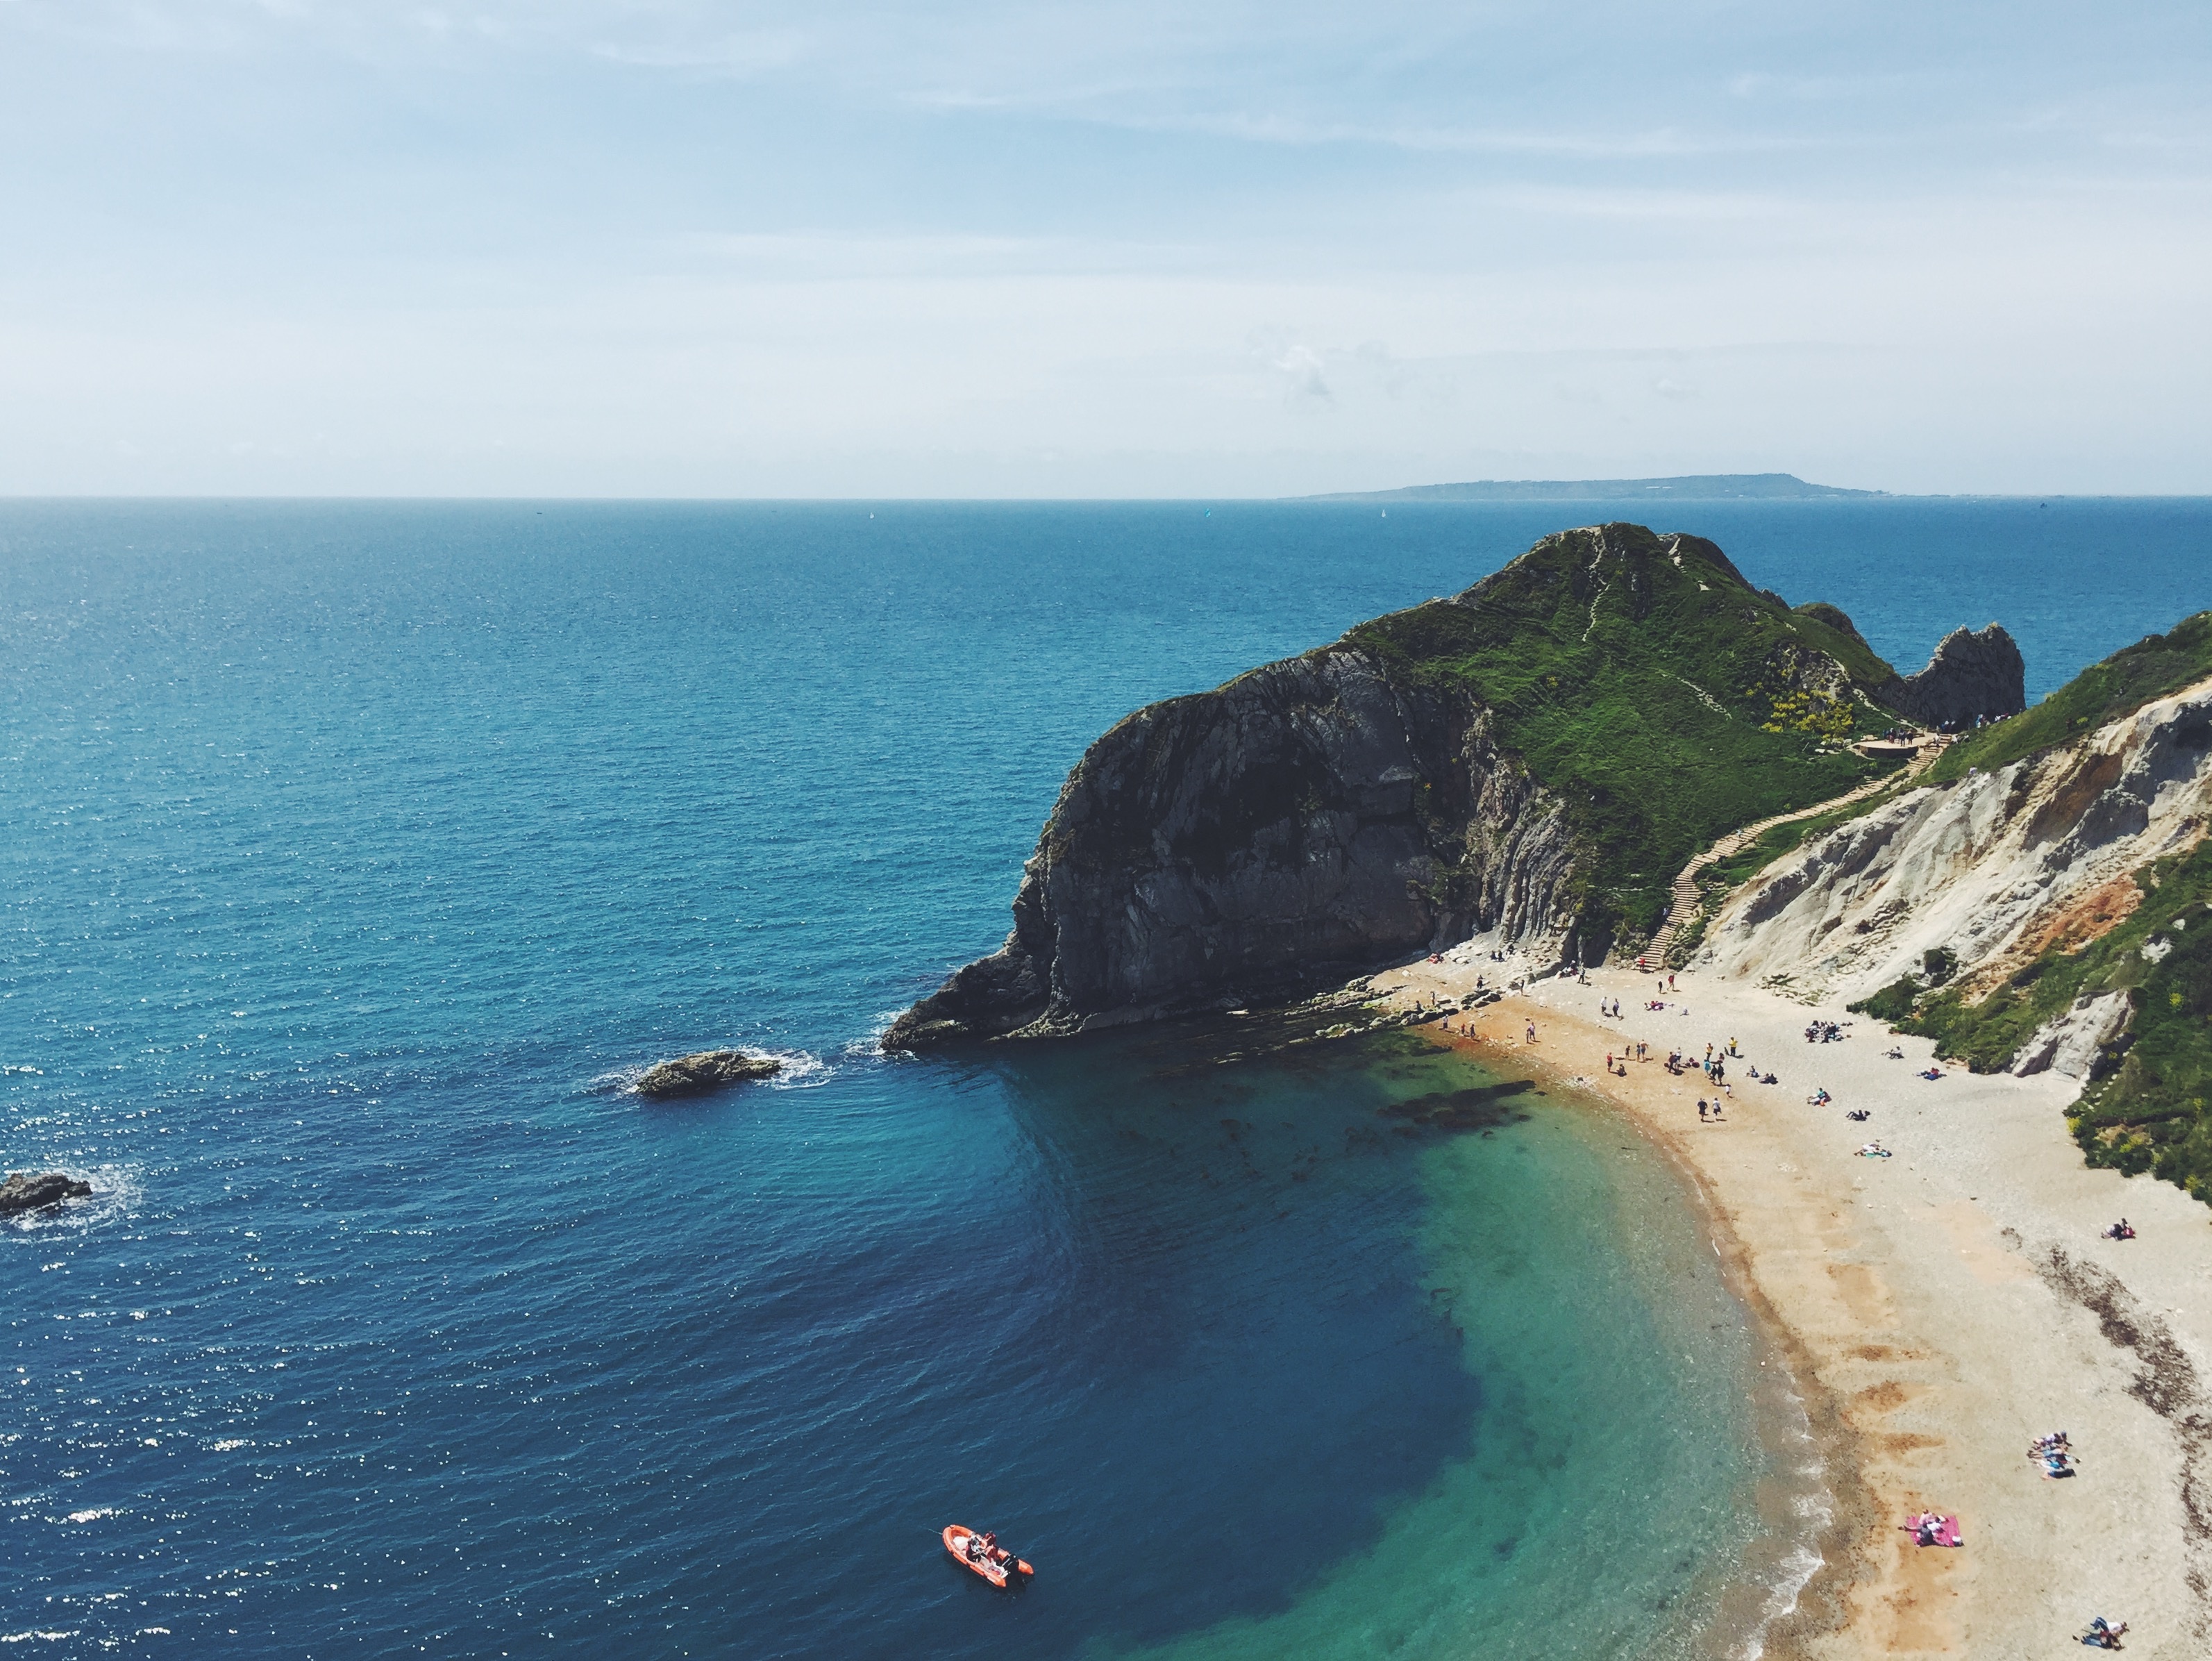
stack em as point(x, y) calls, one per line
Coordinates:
point(1660, 694)
point(2139, 674)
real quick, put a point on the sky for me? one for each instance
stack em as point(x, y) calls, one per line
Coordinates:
point(1127, 248)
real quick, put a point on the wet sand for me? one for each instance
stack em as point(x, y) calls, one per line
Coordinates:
point(1939, 1308)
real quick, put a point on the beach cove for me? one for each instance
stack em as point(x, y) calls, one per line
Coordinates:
point(1939, 1308)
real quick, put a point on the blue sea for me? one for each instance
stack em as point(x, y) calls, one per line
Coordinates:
point(354, 857)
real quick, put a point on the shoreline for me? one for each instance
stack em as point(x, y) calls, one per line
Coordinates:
point(1937, 1310)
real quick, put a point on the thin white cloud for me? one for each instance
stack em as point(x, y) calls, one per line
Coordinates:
point(757, 53)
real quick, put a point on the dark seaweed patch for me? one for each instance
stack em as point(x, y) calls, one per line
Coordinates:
point(1479, 1107)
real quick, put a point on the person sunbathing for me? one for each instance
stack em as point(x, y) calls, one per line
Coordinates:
point(2103, 1636)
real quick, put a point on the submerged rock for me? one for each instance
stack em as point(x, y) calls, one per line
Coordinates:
point(709, 1070)
point(34, 1190)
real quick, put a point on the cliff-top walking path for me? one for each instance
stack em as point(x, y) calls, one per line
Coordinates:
point(1683, 907)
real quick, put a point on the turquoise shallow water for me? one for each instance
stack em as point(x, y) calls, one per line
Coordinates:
point(352, 855)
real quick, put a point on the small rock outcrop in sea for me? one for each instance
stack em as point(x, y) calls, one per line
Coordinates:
point(34, 1190)
point(1535, 757)
point(1974, 675)
point(709, 1070)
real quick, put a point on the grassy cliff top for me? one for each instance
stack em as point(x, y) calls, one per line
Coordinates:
point(1653, 689)
point(2150, 669)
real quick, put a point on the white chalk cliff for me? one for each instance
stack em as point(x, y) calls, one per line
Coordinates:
point(1997, 868)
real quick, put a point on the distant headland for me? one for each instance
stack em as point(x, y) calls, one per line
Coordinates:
point(1689, 487)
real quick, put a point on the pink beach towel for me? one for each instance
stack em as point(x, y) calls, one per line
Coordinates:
point(1947, 1531)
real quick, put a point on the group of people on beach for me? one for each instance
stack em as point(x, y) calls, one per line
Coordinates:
point(1824, 1032)
point(2056, 1453)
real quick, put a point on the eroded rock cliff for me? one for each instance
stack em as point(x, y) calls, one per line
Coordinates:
point(1242, 843)
point(1992, 869)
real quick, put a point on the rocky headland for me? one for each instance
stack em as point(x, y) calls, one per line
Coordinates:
point(1531, 759)
point(35, 1190)
point(708, 1069)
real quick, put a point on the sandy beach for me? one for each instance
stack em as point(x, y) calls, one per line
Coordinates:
point(1939, 1308)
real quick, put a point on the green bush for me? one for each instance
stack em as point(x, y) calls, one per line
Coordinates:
point(1893, 1003)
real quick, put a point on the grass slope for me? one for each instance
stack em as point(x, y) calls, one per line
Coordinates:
point(2105, 691)
point(1646, 683)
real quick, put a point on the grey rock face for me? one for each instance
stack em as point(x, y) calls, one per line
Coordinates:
point(709, 1070)
point(1310, 819)
point(2071, 1042)
point(29, 1190)
point(1971, 676)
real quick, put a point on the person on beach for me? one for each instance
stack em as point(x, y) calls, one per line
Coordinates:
point(1532, 1032)
point(1701, 1110)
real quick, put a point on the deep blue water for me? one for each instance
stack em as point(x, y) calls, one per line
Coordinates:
point(351, 856)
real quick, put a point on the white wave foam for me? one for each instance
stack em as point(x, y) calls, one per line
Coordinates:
point(802, 1070)
point(1792, 1576)
point(871, 1047)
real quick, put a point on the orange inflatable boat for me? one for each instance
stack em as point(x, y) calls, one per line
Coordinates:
point(997, 1565)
